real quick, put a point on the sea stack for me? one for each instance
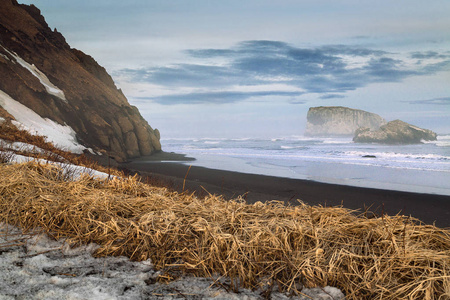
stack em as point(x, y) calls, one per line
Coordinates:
point(339, 121)
point(394, 132)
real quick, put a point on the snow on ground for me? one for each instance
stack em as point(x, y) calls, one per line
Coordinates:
point(50, 87)
point(19, 146)
point(35, 266)
point(71, 171)
point(63, 137)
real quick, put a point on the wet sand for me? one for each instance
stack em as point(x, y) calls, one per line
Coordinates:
point(167, 169)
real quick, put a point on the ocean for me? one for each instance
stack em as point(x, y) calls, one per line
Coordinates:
point(422, 168)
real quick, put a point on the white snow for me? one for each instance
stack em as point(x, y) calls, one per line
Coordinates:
point(35, 266)
point(4, 56)
point(19, 146)
point(61, 136)
point(50, 87)
point(72, 172)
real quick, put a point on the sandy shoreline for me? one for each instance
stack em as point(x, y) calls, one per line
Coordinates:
point(167, 168)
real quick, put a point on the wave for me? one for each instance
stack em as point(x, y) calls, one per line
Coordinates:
point(293, 147)
point(390, 155)
point(211, 142)
point(442, 141)
point(338, 141)
point(295, 138)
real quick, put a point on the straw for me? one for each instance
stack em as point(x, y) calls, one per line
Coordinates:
point(264, 245)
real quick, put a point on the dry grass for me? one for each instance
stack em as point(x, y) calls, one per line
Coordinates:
point(260, 245)
point(50, 152)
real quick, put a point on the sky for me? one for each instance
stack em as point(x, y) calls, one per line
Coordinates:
point(236, 69)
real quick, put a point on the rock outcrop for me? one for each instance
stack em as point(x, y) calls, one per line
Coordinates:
point(339, 121)
point(394, 132)
point(40, 70)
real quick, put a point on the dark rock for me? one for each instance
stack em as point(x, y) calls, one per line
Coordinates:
point(339, 121)
point(394, 132)
point(369, 156)
point(95, 109)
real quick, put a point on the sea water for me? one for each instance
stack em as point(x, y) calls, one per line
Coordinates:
point(423, 168)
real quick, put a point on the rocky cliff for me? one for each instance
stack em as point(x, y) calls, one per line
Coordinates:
point(394, 132)
point(339, 121)
point(41, 71)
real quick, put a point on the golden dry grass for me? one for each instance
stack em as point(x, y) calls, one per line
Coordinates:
point(259, 245)
point(9, 132)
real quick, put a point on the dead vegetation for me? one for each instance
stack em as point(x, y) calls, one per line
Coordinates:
point(40, 148)
point(261, 245)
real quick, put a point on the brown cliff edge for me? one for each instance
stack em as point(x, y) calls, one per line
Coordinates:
point(96, 110)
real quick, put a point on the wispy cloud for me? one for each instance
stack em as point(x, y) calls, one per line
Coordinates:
point(434, 101)
point(429, 55)
point(214, 97)
point(329, 70)
point(332, 96)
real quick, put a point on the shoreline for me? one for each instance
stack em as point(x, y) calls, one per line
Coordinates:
point(162, 157)
point(168, 170)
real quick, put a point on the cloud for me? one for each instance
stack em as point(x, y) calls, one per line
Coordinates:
point(385, 69)
point(220, 97)
point(182, 75)
point(428, 55)
point(332, 96)
point(434, 101)
point(324, 70)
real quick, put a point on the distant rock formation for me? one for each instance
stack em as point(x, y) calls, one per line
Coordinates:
point(339, 121)
point(40, 70)
point(394, 132)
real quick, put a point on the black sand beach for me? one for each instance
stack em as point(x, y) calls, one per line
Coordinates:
point(167, 168)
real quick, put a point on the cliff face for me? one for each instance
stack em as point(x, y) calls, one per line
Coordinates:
point(394, 132)
point(40, 70)
point(339, 121)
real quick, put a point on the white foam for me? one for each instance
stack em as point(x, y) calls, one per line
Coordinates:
point(338, 141)
point(442, 141)
point(293, 147)
point(405, 156)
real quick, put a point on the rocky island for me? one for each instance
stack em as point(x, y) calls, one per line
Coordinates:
point(365, 127)
point(339, 121)
point(394, 132)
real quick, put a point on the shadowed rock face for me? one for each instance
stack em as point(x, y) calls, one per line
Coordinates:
point(394, 132)
point(87, 100)
point(339, 121)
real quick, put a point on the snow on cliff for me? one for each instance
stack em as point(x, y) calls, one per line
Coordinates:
point(49, 87)
point(61, 136)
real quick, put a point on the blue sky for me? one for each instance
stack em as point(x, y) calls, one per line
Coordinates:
point(208, 68)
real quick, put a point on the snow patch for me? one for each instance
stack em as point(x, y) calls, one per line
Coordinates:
point(50, 87)
point(63, 137)
point(19, 146)
point(73, 172)
point(35, 266)
point(4, 56)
